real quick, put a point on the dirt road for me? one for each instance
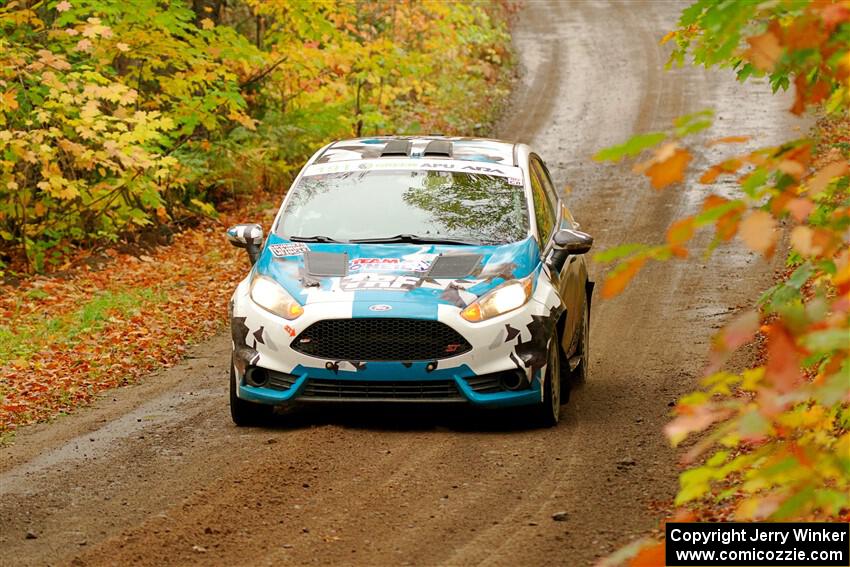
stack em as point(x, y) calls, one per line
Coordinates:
point(155, 474)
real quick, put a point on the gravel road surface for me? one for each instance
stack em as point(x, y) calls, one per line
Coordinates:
point(156, 474)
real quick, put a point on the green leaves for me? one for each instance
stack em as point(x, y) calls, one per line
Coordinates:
point(116, 115)
point(693, 123)
point(631, 148)
point(778, 430)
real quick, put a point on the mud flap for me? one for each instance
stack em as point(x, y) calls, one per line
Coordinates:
point(588, 287)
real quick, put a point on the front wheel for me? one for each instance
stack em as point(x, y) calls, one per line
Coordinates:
point(245, 413)
point(548, 412)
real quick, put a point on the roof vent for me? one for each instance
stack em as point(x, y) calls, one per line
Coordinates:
point(438, 148)
point(397, 148)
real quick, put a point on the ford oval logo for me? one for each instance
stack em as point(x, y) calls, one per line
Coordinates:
point(380, 307)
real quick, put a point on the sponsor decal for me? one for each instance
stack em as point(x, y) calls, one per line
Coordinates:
point(380, 307)
point(462, 166)
point(381, 282)
point(289, 330)
point(293, 249)
point(420, 264)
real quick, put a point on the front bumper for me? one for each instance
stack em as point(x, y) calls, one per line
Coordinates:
point(515, 342)
point(316, 385)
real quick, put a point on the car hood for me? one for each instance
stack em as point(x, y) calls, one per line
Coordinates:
point(394, 273)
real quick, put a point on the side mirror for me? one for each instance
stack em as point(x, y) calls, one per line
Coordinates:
point(568, 242)
point(247, 236)
point(573, 241)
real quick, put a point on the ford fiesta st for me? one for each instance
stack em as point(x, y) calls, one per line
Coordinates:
point(403, 269)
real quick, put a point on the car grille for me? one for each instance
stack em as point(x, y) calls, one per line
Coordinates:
point(404, 340)
point(506, 380)
point(322, 389)
point(486, 384)
point(280, 380)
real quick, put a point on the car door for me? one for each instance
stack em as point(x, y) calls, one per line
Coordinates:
point(571, 277)
point(547, 220)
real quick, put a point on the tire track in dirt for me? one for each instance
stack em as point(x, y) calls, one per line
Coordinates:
point(155, 474)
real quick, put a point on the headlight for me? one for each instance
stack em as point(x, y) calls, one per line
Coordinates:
point(266, 293)
point(507, 297)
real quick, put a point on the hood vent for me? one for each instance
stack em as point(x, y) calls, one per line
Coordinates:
point(454, 266)
point(326, 264)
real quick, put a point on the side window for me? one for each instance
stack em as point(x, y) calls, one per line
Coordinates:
point(549, 188)
point(543, 212)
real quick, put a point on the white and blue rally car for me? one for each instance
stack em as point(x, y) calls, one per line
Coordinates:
point(413, 269)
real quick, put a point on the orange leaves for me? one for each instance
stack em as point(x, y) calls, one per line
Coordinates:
point(841, 280)
point(804, 33)
point(806, 93)
point(713, 202)
point(728, 166)
point(729, 140)
point(783, 359)
point(667, 165)
point(617, 280)
point(737, 333)
point(667, 37)
point(9, 100)
point(730, 338)
point(821, 179)
point(812, 30)
point(834, 15)
point(765, 50)
point(773, 426)
point(649, 556)
point(691, 419)
point(759, 232)
point(814, 242)
point(800, 208)
point(726, 224)
point(148, 310)
point(795, 161)
point(246, 121)
point(679, 233)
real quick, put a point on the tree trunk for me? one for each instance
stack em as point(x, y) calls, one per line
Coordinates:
point(211, 9)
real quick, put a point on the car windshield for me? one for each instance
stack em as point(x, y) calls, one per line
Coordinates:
point(413, 205)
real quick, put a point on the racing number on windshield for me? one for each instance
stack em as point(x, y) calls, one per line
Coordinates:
point(543, 210)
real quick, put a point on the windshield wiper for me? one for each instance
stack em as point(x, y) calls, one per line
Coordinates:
point(414, 239)
point(317, 238)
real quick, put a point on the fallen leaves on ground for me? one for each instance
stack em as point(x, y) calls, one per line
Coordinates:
point(173, 296)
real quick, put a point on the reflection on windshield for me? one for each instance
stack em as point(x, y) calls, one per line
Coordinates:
point(375, 204)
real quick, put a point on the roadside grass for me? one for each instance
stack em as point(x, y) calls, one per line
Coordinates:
point(62, 341)
point(34, 332)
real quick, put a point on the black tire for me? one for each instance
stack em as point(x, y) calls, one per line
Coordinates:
point(579, 374)
point(245, 413)
point(548, 412)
